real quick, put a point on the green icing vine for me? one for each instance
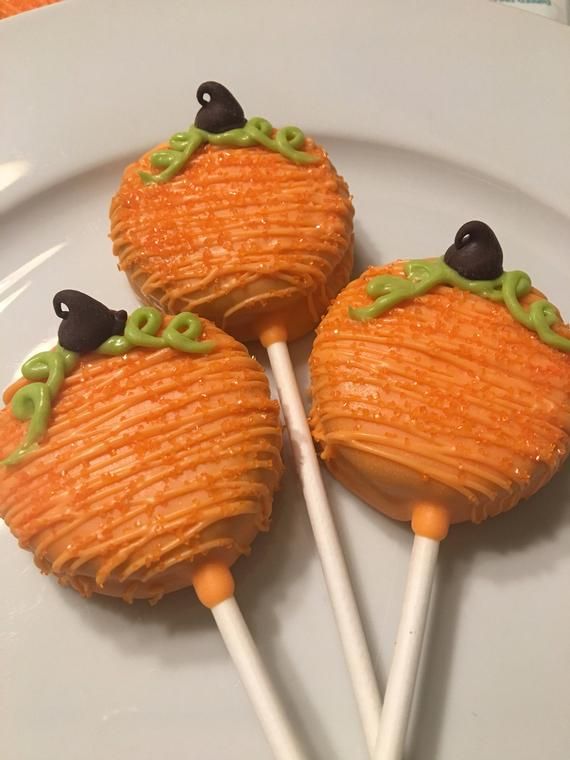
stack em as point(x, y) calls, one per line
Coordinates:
point(181, 333)
point(33, 401)
point(48, 369)
point(288, 141)
point(424, 275)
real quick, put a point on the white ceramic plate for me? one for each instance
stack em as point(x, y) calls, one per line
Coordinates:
point(436, 113)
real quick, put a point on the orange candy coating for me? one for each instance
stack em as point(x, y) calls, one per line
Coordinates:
point(242, 236)
point(443, 409)
point(153, 462)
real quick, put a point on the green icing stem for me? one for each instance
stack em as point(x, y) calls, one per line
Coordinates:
point(424, 275)
point(48, 369)
point(141, 329)
point(288, 141)
point(181, 334)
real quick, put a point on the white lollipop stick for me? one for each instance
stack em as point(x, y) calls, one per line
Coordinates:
point(328, 546)
point(214, 581)
point(256, 681)
point(404, 668)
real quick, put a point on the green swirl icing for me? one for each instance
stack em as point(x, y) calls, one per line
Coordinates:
point(34, 401)
point(181, 333)
point(48, 369)
point(424, 275)
point(288, 141)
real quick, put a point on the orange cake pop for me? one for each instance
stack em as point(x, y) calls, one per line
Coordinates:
point(140, 456)
point(441, 394)
point(145, 453)
point(243, 224)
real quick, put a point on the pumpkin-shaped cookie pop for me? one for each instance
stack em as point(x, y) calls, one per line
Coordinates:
point(441, 394)
point(245, 225)
point(140, 456)
point(250, 227)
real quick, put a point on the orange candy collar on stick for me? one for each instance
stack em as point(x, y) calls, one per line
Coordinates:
point(152, 459)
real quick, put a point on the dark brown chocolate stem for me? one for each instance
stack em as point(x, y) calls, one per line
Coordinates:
point(221, 112)
point(476, 254)
point(87, 323)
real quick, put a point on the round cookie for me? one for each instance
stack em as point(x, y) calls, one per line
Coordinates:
point(430, 388)
point(160, 450)
point(245, 225)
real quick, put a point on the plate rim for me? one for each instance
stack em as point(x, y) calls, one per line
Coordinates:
point(485, 43)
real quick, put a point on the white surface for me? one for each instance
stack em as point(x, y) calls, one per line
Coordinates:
point(260, 689)
point(347, 616)
point(399, 91)
point(407, 650)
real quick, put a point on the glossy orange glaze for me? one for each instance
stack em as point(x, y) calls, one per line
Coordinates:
point(153, 461)
point(444, 400)
point(240, 234)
